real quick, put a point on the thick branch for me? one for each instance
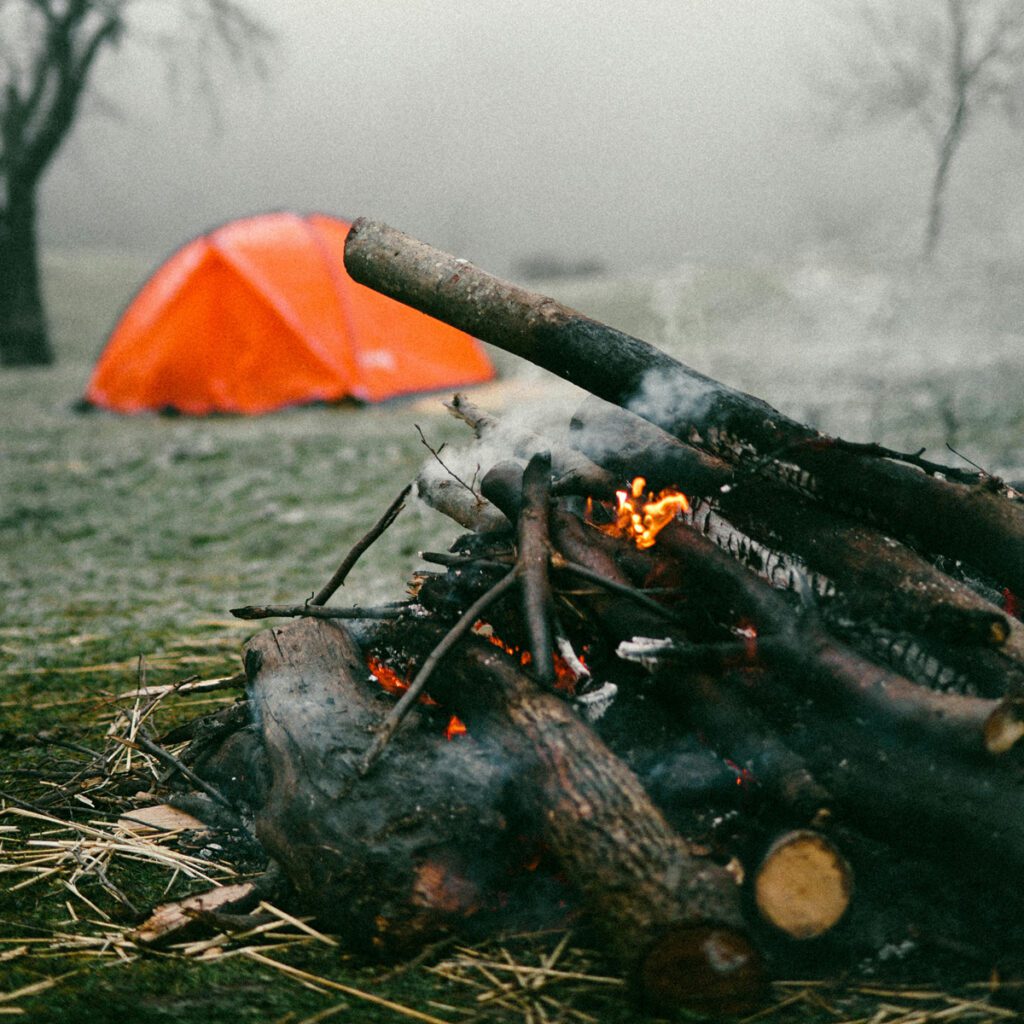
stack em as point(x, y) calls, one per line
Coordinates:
point(673, 918)
point(971, 523)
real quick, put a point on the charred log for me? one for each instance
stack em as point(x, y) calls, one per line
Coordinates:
point(969, 522)
point(879, 578)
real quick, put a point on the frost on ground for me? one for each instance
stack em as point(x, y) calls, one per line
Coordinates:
point(129, 535)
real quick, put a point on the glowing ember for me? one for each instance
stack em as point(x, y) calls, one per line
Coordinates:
point(392, 681)
point(748, 634)
point(745, 778)
point(456, 727)
point(642, 518)
point(566, 676)
point(387, 677)
point(492, 638)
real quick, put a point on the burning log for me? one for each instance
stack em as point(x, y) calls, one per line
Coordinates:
point(799, 646)
point(881, 578)
point(423, 845)
point(973, 521)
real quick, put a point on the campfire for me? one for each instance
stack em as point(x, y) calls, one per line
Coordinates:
point(740, 698)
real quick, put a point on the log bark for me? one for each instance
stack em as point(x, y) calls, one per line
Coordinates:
point(389, 862)
point(671, 917)
point(972, 523)
point(535, 589)
point(446, 495)
point(600, 359)
point(629, 446)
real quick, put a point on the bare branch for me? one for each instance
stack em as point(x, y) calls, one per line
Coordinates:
point(936, 65)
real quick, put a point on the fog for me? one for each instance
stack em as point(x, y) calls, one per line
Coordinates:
point(639, 135)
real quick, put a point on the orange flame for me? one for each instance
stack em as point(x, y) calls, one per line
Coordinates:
point(391, 680)
point(642, 520)
point(394, 683)
point(565, 676)
point(386, 676)
point(456, 727)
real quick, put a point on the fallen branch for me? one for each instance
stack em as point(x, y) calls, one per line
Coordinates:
point(314, 611)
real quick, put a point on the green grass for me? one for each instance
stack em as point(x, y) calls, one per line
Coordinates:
point(126, 537)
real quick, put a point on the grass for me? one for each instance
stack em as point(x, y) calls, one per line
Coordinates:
point(125, 540)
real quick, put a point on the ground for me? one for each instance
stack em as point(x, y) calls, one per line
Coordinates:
point(125, 540)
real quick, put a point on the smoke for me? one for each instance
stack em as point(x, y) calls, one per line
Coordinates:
point(670, 399)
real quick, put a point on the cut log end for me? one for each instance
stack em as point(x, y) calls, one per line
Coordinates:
point(804, 884)
point(703, 968)
point(1005, 726)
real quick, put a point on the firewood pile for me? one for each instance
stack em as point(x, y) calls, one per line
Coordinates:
point(742, 698)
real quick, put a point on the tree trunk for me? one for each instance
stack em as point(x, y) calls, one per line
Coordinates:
point(936, 201)
point(23, 334)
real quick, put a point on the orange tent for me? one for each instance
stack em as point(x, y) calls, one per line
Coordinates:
point(260, 314)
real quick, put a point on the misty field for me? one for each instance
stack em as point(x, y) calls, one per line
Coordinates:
point(125, 540)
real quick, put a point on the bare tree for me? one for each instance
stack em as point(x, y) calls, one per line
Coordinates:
point(938, 65)
point(48, 52)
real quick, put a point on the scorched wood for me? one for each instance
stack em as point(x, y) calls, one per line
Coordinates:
point(973, 523)
point(883, 580)
point(391, 861)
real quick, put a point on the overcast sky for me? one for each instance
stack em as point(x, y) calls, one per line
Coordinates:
point(639, 134)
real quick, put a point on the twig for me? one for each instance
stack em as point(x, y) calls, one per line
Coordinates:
point(401, 709)
point(425, 954)
point(183, 769)
point(560, 562)
point(23, 804)
point(998, 481)
point(910, 458)
point(325, 594)
point(313, 611)
point(436, 452)
point(193, 685)
point(534, 556)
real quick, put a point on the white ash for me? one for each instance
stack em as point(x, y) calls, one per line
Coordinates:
point(593, 705)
